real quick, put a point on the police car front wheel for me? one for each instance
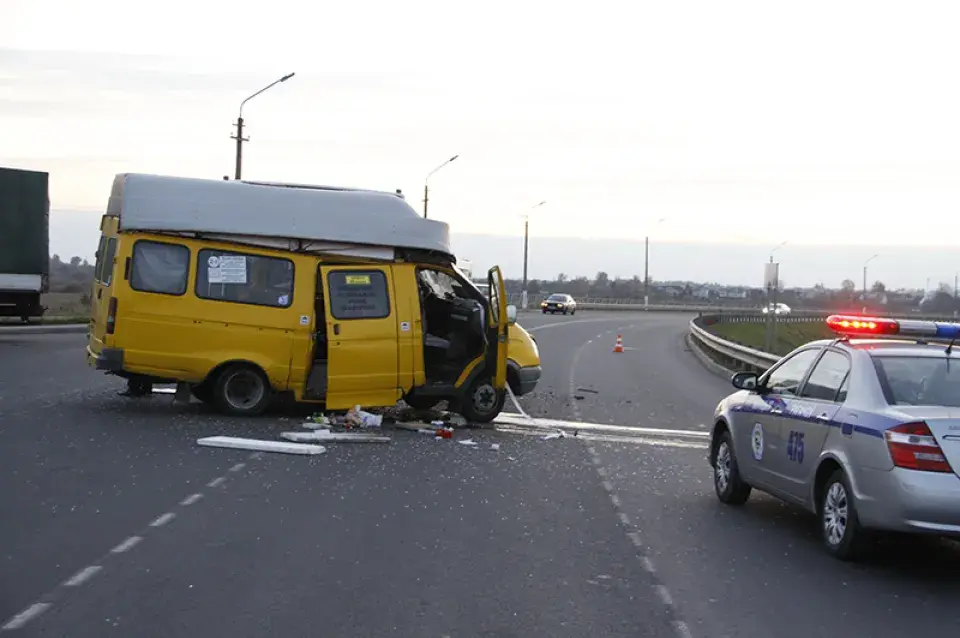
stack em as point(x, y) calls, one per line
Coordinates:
point(727, 482)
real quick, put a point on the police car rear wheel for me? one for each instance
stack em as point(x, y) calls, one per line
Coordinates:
point(727, 482)
point(839, 525)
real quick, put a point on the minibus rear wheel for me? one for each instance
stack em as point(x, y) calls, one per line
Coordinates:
point(242, 389)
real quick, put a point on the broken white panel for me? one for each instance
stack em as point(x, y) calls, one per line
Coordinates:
point(469, 442)
point(256, 445)
point(333, 437)
point(505, 418)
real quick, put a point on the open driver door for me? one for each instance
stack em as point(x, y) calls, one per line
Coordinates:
point(498, 322)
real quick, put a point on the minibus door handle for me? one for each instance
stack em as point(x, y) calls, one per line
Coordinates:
point(336, 328)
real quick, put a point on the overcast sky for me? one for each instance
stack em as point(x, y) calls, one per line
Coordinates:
point(738, 122)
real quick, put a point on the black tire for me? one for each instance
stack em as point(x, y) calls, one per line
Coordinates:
point(481, 403)
point(839, 526)
point(564, 313)
point(727, 482)
point(421, 402)
point(230, 395)
point(573, 312)
point(544, 312)
point(202, 391)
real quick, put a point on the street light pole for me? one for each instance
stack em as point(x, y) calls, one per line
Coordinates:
point(239, 136)
point(426, 188)
point(526, 245)
point(646, 267)
point(772, 290)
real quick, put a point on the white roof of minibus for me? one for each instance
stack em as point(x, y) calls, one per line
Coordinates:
point(290, 212)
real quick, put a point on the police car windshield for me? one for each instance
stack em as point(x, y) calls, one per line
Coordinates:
point(920, 380)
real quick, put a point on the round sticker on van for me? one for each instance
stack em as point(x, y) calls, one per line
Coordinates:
point(213, 261)
point(756, 441)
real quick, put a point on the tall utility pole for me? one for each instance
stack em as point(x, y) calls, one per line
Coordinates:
point(239, 136)
point(526, 245)
point(426, 187)
point(646, 267)
point(865, 280)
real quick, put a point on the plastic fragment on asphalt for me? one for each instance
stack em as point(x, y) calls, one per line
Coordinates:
point(494, 446)
point(555, 435)
point(324, 436)
point(237, 443)
point(469, 442)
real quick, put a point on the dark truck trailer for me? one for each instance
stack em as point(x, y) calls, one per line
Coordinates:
point(24, 242)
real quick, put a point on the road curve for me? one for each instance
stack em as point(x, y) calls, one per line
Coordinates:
point(124, 525)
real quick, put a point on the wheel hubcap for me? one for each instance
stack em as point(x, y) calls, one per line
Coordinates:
point(835, 508)
point(484, 398)
point(722, 470)
point(244, 390)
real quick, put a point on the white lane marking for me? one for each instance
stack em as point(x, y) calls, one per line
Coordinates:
point(256, 455)
point(602, 471)
point(565, 323)
point(193, 498)
point(635, 539)
point(26, 616)
point(217, 481)
point(609, 438)
point(591, 450)
point(163, 519)
point(126, 545)
point(607, 485)
point(509, 418)
point(624, 519)
point(648, 565)
point(82, 576)
point(682, 630)
point(237, 467)
point(615, 500)
point(664, 595)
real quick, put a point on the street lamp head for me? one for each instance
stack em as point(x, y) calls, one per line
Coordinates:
point(287, 77)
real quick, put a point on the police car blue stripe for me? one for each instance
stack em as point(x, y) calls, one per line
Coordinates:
point(859, 429)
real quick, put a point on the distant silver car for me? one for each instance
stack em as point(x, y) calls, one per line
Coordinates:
point(863, 432)
point(559, 302)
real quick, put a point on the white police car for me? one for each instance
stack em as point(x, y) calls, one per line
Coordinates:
point(863, 430)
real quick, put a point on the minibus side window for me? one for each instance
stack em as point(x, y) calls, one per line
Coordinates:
point(160, 267)
point(101, 250)
point(106, 275)
point(360, 294)
point(242, 278)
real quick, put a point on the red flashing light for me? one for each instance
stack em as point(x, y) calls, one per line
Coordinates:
point(845, 324)
point(912, 446)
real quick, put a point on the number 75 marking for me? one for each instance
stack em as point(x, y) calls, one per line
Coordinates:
point(795, 446)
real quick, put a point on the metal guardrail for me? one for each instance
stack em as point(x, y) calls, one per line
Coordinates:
point(744, 356)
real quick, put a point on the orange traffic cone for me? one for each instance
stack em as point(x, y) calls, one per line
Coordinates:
point(619, 345)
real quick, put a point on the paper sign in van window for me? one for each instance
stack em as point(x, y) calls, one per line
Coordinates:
point(357, 280)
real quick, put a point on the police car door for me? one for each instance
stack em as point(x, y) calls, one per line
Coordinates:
point(779, 391)
point(808, 420)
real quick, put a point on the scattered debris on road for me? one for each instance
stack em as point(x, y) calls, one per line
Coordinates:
point(256, 445)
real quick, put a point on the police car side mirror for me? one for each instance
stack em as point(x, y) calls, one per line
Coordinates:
point(744, 380)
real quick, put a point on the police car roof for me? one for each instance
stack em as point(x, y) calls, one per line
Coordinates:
point(894, 347)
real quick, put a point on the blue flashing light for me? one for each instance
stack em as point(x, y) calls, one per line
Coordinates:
point(948, 330)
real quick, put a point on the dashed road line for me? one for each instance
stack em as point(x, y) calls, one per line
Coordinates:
point(648, 565)
point(126, 545)
point(607, 485)
point(82, 576)
point(624, 518)
point(664, 595)
point(25, 616)
point(190, 500)
point(163, 519)
point(615, 500)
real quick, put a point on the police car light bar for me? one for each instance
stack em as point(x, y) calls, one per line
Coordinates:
point(852, 325)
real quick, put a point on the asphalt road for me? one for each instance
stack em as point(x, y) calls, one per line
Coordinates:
point(115, 523)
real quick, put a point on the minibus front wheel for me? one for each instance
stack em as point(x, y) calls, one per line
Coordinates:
point(482, 402)
point(242, 389)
